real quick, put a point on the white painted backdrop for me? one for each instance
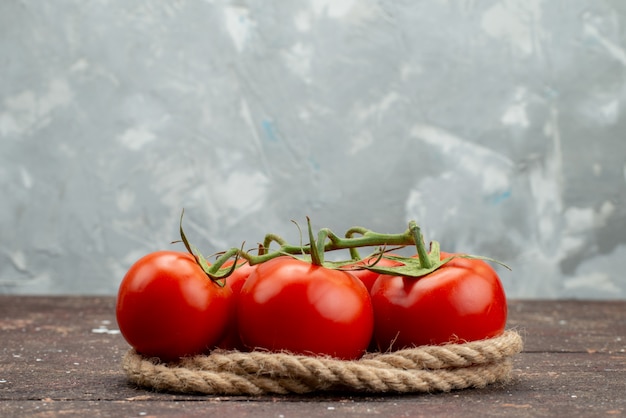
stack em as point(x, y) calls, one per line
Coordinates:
point(497, 125)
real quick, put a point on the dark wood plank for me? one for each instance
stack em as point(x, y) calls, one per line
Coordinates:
point(570, 326)
point(61, 355)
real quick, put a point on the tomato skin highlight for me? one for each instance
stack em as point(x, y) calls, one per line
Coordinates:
point(291, 305)
point(168, 308)
point(462, 301)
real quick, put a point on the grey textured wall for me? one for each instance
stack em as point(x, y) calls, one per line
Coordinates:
point(497, 125)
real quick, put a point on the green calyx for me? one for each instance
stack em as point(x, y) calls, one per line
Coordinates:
point(424, 263)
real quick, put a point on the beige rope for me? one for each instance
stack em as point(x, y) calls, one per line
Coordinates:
point(420, 369)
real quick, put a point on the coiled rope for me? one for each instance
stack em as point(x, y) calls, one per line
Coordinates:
point(421, 369)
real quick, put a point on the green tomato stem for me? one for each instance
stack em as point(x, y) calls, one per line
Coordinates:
point(326, 241)
point(267, 242)
point(419, 243)
point(329, 241)
point(354, 253)
point(317, 253)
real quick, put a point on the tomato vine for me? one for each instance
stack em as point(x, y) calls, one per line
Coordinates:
point(425, 263)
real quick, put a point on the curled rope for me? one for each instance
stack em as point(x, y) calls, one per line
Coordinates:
point(420, 369)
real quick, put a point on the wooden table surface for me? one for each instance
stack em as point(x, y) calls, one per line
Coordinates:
point(60, 356)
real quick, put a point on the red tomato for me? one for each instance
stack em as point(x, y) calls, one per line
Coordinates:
point(235, 282)
point(461, 301)
point(291, 305)
point(167, 307)
point(368, 277)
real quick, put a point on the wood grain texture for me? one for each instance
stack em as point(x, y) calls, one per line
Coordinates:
point(61, 356)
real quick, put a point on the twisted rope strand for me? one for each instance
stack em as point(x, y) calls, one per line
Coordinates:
point(420, 369)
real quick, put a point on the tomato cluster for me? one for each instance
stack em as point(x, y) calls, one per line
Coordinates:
point(168, 308)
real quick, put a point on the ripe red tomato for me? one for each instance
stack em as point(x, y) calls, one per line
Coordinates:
point(167, 307)
point(235, 282)
point(292, 305)
point(461, 301)
point(368, 277)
